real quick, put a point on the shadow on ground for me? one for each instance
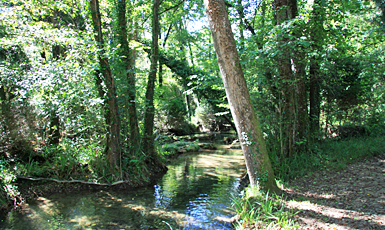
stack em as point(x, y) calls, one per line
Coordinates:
point(352, 198)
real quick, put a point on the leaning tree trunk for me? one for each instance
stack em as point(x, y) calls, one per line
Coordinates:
point(110, 101)
point(249, 131)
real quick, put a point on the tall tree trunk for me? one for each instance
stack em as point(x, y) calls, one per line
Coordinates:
point(128, 64)
point(249, 131)
point(300, 79)
point(301, 105)
point(317, 33)
point(110, 101)
point(285, 10)
point(148, 137)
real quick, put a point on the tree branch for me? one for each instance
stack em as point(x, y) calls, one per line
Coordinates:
point(173, 7)
point(70, 181)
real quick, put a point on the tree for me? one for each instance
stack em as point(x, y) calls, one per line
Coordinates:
point(148, 136)
point(104, 75)
point(317, 34)
point(381, 6)
point(249, 131)
point(285, 10)
point(127, 67)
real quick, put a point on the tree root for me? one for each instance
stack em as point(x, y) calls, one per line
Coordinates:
point(69, 181)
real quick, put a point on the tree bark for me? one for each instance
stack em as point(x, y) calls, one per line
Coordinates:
point(301, 109)
point(5, 107)
point(315, 98)
point(110, 101)
point(285, 10)
point(302, 117)
point(317, 34)
point(148, 137)
point(128, 67)
point(248, 127)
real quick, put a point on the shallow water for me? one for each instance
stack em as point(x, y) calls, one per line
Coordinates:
point(195, 193)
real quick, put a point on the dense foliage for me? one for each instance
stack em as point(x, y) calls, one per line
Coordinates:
point(315, 76)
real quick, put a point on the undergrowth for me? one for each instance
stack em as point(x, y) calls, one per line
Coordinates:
point(8, 190)
point(77, 161)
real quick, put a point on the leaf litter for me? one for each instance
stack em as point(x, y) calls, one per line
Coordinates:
point(351, 198)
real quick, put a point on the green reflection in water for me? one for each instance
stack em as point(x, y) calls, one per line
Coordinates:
point(194, 194)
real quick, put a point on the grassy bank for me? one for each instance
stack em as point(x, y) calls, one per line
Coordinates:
point(266, 211)
point(331, 154)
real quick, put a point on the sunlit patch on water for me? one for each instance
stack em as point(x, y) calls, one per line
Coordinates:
point(194, 194)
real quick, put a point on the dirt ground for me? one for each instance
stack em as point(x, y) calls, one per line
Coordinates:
point(351, 198)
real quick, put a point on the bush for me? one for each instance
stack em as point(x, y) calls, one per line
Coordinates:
point(172, 114)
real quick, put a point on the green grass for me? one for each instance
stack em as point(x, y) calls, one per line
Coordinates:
point(262, 210)
point(329, 155)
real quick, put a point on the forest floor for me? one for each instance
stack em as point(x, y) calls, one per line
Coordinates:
point(350, 198)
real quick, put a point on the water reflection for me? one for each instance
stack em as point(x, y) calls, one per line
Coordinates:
point(194, 194)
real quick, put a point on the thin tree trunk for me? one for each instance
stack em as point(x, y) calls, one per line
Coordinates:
point(241, 13)
point(315, 98)
point(111, 105)
point(249, 131)
point(160, 61)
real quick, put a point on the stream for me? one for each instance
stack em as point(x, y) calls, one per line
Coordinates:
point(195, 193)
